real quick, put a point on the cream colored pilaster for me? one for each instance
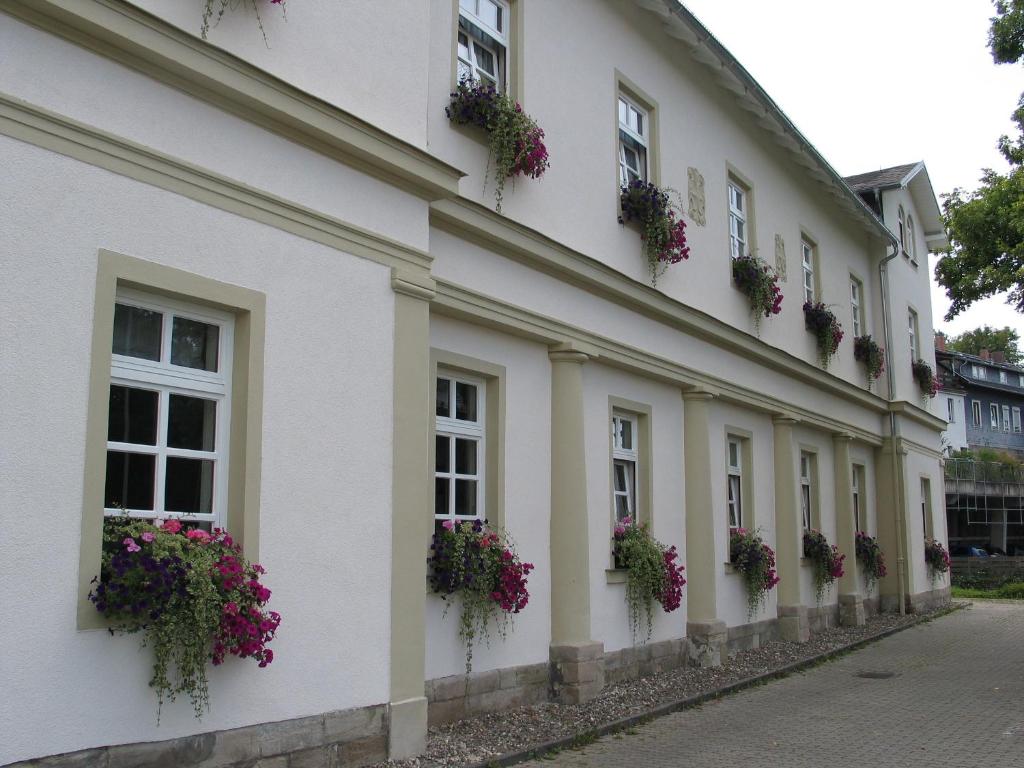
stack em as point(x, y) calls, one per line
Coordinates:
point(707, 634)
point(793, 624)
point(577, 661)
point(410, 518)
point(851, 602)
point(892, 534)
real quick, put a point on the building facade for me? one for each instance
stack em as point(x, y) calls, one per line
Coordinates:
point(282, 255)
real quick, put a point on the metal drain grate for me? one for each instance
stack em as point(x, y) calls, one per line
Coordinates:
point(877, 675)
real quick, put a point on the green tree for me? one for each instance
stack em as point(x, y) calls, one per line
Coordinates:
point(1003, 340)
point(986, 227)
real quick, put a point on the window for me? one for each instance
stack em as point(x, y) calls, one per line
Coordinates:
point(625, 457)
point(459, 435)
point(807, 490)
point(911, 241)
point(634, 141)
point(483, 42)
point(1016, 419)
point(738, 240)
point(807, 253)
point(902, 230)
point(856, 292)
point(977, 372)
point(735, 483)
point(976, 412)
point(950, 410)
point(926, 505)
point(1003, 378)
point(915, 350)
point(993, 414)
point(1006, 418)
point(169, 410)
point(857, 477)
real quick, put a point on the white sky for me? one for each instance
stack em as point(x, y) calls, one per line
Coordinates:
point(879, 83)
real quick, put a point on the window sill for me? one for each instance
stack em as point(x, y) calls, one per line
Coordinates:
point(805, 562)
point(730, 568)
point(474, 133)
point(616, 575)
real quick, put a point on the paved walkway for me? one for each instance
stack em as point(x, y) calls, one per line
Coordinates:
point(956, 699)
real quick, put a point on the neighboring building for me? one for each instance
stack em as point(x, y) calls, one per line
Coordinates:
point(306, 209)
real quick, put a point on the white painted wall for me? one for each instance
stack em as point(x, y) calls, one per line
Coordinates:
point(820, 444)
point(527, 500)
point(325, 521)
point(609, 615)
point(954, 437)
point(865, 456)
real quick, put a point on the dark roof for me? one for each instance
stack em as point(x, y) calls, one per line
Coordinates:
point(949, 353)
point(887, 177)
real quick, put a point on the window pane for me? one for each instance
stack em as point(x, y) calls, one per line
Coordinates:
point(191, 423)
point(132, 415)
point(620, 477)
point(623, 113)
point(627, 435)
point(465, 402)
point(442, 488)
point(442, 459)
point(137, 332)
point(131, 478)
point(490, 14)
point(194, 344)
point(189, 485)
point(621, 508)
point(465, 497)
point(465, 456)
point(443, 407)
point(485, 60)
point(734, 455)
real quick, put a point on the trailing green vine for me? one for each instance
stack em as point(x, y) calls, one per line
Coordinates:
point(213, 12)
point(867, 351)
point(652, 574)
point(662, 228)
point(760, 284)
point(827, 561)
point(820, 320)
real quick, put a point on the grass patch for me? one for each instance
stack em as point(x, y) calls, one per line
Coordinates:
point(1013, 591)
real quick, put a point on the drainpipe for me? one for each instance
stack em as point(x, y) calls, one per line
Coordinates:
point(897, 474)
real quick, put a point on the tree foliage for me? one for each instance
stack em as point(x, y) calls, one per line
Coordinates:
point(986, 227)
point(1003, 340)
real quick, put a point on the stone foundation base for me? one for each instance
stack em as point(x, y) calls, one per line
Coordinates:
point(872, 606)
point(643, 660)
point(577, 671)
point(923, 601)
point(748, 636)
point(343, 739)
point(706, 641)
point(822, 617)
point(461, 696)
point(851, 611)
point(794, 626)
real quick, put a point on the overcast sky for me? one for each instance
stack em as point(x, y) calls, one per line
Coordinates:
point(877, 83)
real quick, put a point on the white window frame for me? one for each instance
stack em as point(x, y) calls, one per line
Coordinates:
point(464, 429)
point(734, 481)
point(483, 35)
point(912, 327)
point(855, 472)
point(1003, 378)
point(807, 489)
point(166, 379)
point(629, 460)
point(1016, 418)
point(856, 292)
point(628, 132)
point(1006, 417)
point(993, 416)
point(739, 230)
point(807, 259)
point(976, 412)
point(950, 410)
point(903, 233)
point(911, 240)
point(926, 505)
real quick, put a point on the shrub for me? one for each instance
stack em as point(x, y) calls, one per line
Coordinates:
point(192, 594)
point(479, 564)
point(820, 321)
point(756, 561)
point(925, 378)
point(867, 351)
point(828, 562)
point(662, 229)
point(937, 558)
point(653, 573)
point(869, 555)
point(516, 141)
point(760, 283)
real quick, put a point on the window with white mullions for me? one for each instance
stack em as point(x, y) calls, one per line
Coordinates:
point(915, 350)
point(1006, 418)
point(807, 257)
point(459, 449)
point(624, 465)
point(634, 139)
point(735, 484)
point(168, 415)
point(806, 490)
point(1016, 420)
point(993, 416)
point(856, 292)
point(855, 478)
point(483, 41)
point(737, 221)
point(976, 412)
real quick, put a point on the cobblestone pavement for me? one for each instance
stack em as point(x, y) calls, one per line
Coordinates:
point(956, 699)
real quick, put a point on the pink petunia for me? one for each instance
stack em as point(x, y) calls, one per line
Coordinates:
point(148, 536)
point(131, 545)
point(172, 526)
point(448, 525)
point(197, 534)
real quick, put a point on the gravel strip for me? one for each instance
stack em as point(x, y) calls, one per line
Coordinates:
point(481, 739)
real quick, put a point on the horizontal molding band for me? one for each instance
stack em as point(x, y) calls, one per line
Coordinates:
point(137, 39)
point(46, 129)
point(463, 304)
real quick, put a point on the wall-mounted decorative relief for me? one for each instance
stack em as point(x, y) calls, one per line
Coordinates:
point(780, 257)
point(695, 192)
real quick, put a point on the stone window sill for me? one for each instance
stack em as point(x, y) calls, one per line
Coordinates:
point(616, 575)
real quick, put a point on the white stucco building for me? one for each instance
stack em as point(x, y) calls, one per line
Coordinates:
point(308, 199)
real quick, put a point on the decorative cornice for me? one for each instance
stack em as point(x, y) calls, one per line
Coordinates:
point(918, 414)
point(461, 303)
point(129, 35)
point(414, 284)
point(34, 125)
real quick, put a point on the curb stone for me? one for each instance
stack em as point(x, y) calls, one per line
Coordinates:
point(586, 737)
